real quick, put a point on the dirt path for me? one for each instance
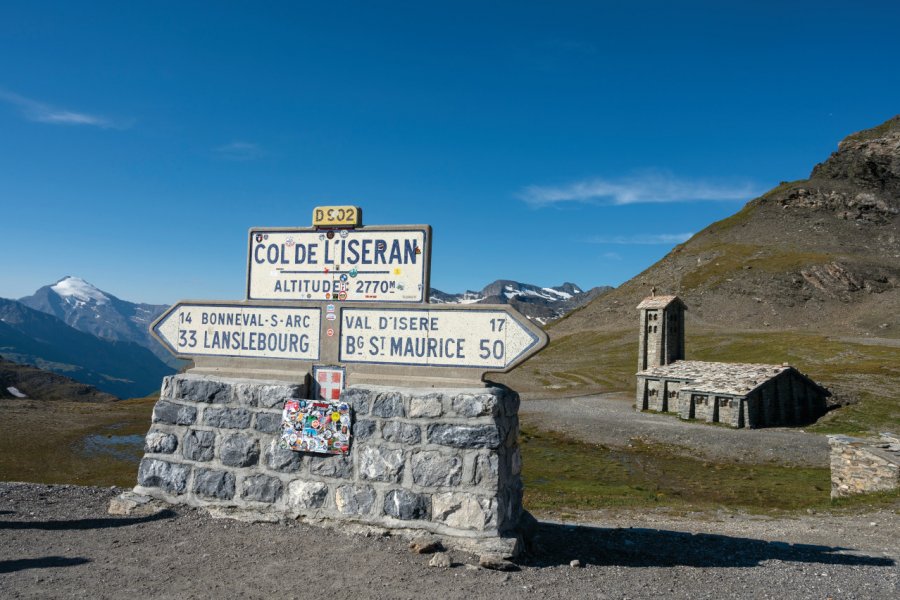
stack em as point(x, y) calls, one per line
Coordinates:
point(58, 541)
point(609, 419)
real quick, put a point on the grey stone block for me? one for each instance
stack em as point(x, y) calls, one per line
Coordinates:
point(239, 450)
point(463, 511)
point(198, 445)
point(406, 505)
point(159, 442)
point(431, 468)
point(171, 477)
point(261, 488)
point(264, 395)
point(340, 467)
point(475, 405)
point(198, 389)
point(403, 433)
point(268, 422)
point(227, 418)
point(282, 459)
point(388, 405)
point(214, 484)
point(381, 464)
point(429, 406)
point(464, 436)
point(487, 469)
point(354, 500)
point(363, 429)
point(358, 399)
point(168, 387)
point(515, 462)
point(174, 414)
point(307, 494)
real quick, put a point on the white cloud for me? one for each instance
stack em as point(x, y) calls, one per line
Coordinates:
point(40, 112)
point(649, 187)
point(611, 256)
point(239, 151)
point(640, 239)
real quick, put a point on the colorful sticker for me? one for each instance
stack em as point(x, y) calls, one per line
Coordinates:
point(311, 426)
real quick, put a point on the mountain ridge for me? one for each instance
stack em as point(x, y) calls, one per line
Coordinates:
point(33, 337)
point(89, 309)
point(820, 254)
point(541, 304)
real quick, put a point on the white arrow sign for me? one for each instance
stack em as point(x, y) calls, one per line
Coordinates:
point(198, 329)
point(493, 338)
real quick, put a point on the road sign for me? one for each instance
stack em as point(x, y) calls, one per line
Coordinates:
point(495, 338)
point(369, 264)
point(191, 329)
point(337, 216)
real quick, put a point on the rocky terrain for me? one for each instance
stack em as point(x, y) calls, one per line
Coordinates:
point(58, 541)
point(820, 254)
point(540, 304)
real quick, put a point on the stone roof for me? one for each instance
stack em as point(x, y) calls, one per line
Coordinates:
point(659, 302)
point(732, 379)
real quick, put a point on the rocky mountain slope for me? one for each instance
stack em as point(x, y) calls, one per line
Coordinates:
point(25, 381)
point(124, 369)
point(820, 254)
point(91, 310)
point(540, 304)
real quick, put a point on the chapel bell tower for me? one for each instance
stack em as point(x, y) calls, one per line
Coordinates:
point(662, 331)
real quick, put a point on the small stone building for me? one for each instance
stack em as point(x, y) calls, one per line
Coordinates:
point(737, 394)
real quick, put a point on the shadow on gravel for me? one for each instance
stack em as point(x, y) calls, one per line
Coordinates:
point(86, 523)
point(11, 566)
point(557, 544)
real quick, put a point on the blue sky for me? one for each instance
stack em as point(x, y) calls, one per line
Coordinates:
point(543, 141)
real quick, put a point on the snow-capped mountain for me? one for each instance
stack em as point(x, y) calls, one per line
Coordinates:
point(87, 308)
point(540, 304)
point(33, 337)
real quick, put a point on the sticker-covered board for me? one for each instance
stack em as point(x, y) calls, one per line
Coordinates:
point(316, 426)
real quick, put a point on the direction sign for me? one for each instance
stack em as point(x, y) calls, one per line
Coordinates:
point(252, 331)
point(495, 338)
point(368, 264)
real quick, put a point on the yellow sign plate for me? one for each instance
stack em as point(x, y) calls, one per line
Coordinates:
point(337, 216)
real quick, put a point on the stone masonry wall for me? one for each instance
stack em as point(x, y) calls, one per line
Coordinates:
point(441, 461)
point(862, 466)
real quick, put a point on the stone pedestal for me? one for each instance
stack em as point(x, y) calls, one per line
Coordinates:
point(861, 466)
point(442, 461)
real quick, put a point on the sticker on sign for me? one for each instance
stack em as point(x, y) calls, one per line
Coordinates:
point(491, 339)
point(197, 329)
point(380, 264)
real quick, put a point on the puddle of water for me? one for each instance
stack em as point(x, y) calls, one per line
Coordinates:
point(122, 447)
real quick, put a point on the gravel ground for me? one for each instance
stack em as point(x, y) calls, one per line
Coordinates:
point(58, 541)
point(611, 420)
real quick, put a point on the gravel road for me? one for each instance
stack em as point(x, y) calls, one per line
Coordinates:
point(58, 542)
point(609, 419)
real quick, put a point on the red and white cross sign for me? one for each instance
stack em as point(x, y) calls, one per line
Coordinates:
point(328, 382)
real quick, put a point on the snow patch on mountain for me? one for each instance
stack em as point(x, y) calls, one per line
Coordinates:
point(76, 289)
point(15, 392)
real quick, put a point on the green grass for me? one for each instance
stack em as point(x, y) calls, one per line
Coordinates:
point(564, 475)
point(43, 441)
point(732, 258)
